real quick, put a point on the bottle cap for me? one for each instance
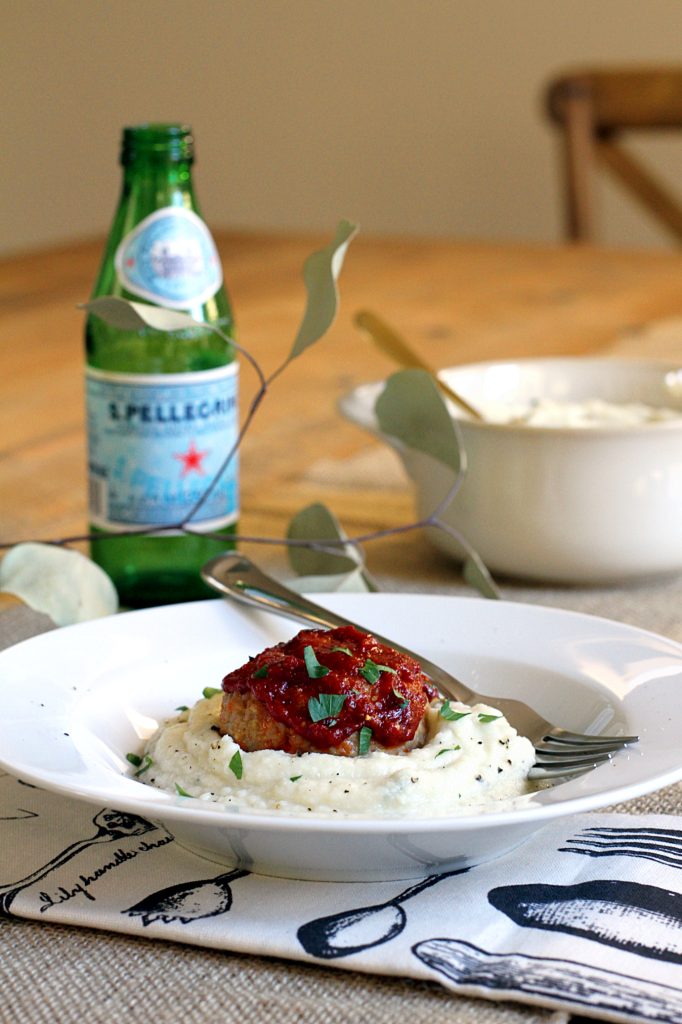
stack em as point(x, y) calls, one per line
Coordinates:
point(163, 141)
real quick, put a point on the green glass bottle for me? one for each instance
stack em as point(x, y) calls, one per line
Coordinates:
point(162, 406)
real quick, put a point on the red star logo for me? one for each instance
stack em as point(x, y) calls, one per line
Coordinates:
point(191, 460)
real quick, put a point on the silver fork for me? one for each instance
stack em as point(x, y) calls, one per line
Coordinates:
point(559, 753)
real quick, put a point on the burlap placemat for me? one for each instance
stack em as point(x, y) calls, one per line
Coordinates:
point(49, 973)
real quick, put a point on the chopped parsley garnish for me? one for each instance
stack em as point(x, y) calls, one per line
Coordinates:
point(315, 670)
point(325, 706)
point(148, 764)
point(449, 715)
point(210, 691)
point(134, 759)
point(488, 718)
point(448, 750)
point(236, 765)
point(294, 778)
point(404, 702)
point(182, 792)
point(183, 707)
point(371, 671)
point(344, 650)
point(261, 672)
point(365, 738)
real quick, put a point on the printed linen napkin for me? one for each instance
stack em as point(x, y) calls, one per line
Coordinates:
point(585, 916)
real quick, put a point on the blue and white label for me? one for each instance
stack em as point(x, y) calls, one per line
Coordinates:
point(170, 258)
point(156, 442)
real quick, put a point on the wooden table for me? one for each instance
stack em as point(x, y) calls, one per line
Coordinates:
point(457, 302)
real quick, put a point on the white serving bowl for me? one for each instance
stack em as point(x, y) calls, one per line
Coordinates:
point(569, 505)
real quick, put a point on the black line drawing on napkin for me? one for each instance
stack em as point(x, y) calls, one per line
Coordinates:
point(23, 813)
point(353, 931)
point(562, 983)
point(663, 845)
point(17, 813)
point(641, 919)
point(111, 826)
point(188, 901)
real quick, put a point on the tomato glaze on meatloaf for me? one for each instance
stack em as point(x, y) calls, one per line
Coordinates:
point(284, 698)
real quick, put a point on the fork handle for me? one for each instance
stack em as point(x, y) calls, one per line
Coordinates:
point(236, 576)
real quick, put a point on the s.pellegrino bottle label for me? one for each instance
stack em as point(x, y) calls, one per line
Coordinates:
point(155, 443)
point(170, 258)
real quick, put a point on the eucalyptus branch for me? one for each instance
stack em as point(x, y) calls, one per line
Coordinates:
point(410, 408)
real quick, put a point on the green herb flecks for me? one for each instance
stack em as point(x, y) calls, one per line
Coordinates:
point(261, 672)
point(182, 792)
point(210, 691)
point(449, 715)
point(134, 759)
point(404, 702)
point(315, 670)
point(295, 778)
point(371, 671)
point(148, 764)
point(183, 707)
point(326, 705)
point(448, 750)
point(344, 650)
point(365, 739)
point(236, 765)
point(488, 718)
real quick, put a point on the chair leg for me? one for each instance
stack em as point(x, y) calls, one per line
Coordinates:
point(579, 163)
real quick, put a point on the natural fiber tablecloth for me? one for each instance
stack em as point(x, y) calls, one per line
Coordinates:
point(50, 973)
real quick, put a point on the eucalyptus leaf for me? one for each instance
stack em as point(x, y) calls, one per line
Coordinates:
point(320, 275)
point(317, 522)
point(412, 409)
point(343, 583)
point(345, 570)
point(477, 575)
point(62, 583)
point(135, 316)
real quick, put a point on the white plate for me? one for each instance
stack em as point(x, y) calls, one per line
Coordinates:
point(76, 700)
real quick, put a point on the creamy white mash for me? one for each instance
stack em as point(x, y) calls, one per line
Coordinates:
point(594, 412)
point(475, 760)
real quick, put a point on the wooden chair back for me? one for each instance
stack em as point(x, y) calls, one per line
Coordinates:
point(594, 109)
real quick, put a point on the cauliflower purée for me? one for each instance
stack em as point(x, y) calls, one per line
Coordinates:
point(594, 412)
point(475, 760)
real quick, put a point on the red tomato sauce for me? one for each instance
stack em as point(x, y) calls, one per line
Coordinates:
point(390, 699)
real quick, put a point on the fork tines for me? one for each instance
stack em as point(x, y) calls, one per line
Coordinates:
point(564, 753)
point(657, 844)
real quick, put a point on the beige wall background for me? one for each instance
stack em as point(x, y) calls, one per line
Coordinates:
point(411, 116)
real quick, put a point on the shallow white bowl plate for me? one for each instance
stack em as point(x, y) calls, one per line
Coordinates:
point(590, 505)
point(76, 700)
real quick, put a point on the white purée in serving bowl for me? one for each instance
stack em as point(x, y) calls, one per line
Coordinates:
point(573, 504)
point(473, 760)
point(76, 700)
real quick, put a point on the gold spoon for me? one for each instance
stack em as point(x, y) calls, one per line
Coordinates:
point(385, 338)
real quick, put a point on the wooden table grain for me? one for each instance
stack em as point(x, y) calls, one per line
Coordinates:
point(456, 301)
